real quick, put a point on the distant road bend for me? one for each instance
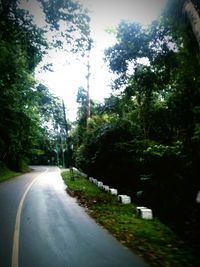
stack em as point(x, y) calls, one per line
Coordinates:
point(42, 226)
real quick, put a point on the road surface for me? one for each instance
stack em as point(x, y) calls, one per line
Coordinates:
point(42, 226)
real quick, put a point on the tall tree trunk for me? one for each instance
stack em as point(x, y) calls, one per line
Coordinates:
point(193, 17)
point(88, 81)
point(65, 120)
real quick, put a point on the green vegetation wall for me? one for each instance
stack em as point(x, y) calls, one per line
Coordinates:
point(145, 140)
point(30, 115)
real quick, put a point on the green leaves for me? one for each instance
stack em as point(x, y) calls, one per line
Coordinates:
point(133, 43)
point(29, 113)
point(151, 129)
point(21, 48)
point(71, 19)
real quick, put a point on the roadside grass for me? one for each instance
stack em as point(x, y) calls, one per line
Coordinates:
point(150, 239)
point(6, 174)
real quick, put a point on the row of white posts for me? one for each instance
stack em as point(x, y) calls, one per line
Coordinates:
point(143, 212)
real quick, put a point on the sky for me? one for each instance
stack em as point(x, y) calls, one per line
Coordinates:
point(70, 73)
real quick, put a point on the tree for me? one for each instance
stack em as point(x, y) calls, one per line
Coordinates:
point(184, 15)
point(24, 109)
point(146, 138)
point(53, 121)
point(193, 17)
point(74, 20)
point(21, 48)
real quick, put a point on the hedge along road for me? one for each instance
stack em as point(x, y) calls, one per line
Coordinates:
point(42, 226)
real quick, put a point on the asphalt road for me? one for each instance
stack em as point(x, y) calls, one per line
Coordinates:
point(42, 226)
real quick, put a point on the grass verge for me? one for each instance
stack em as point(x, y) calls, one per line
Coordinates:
point(6, 174)
point(150, 239)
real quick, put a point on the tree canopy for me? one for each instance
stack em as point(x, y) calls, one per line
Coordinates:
point(25, 106)
point(145, 139)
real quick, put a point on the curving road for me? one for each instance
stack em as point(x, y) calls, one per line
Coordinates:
point(42, 226)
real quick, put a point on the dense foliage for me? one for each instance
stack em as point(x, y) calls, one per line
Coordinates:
point(31, 119)
point(145, 140)
point(21, 48)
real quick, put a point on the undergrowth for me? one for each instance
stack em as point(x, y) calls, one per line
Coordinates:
point(150, 239)
point(6, 173)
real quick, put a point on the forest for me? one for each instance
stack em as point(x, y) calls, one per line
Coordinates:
point(144, 139)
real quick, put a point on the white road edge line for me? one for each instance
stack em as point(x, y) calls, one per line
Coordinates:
point(15, 248)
